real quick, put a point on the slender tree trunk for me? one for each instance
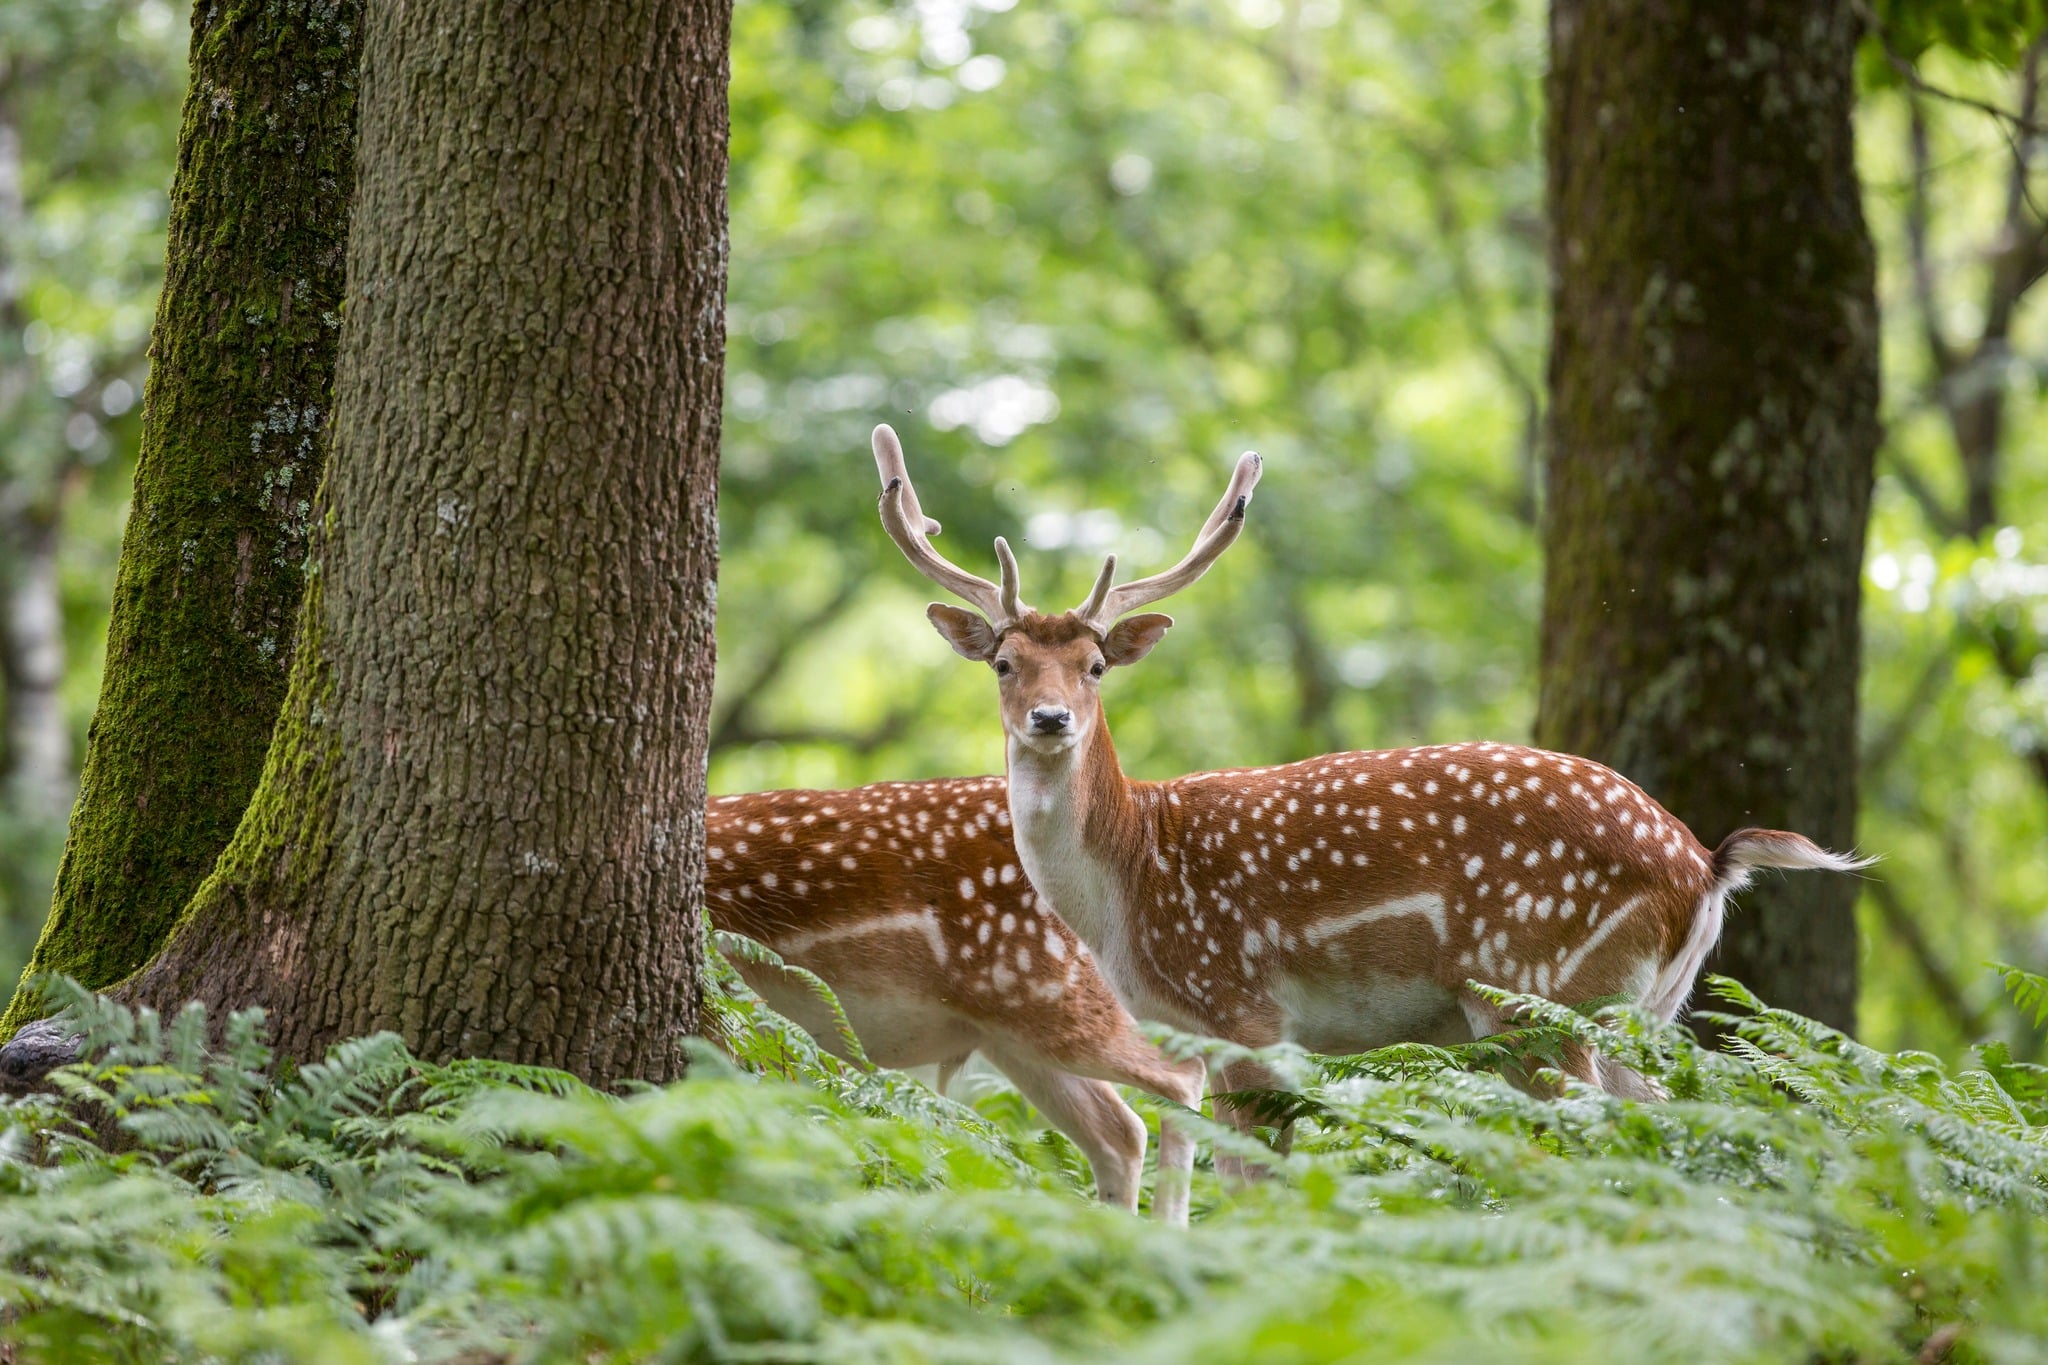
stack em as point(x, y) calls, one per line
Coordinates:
point(481, 819)
point(36, 776)
point(1712, 432)
point(38, 738)
point(35, 741)
point(212, 560)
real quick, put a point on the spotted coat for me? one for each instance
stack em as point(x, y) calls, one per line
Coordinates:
point(908, 899)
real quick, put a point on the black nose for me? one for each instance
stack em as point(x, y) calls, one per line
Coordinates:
point(1050, 720)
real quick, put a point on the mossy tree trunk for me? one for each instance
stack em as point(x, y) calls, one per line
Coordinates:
point(1712, 430)
point(213, 558)
point(481, 818)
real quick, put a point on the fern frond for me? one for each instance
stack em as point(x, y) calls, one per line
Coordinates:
point(2027, 990)
point(744, 949)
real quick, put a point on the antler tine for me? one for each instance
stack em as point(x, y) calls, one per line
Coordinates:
point(1244, 476)
point(1011, 591)
point(910, 528)
point(1096, 595)
point(1105, 604)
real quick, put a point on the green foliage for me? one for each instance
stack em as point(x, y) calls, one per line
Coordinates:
point(2028, 990)
point(1987, 30)
point(1082, 256)
point(1801, 1197)
point(89, 94)
point(1954, 760)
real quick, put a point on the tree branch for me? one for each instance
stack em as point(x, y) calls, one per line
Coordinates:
point(1885, 746)
point(1944, 521)
point(1941, 983)
point(1907, 72)
point(1939, 350)
point(2017, 668)
point(891, 728)
point(2017, 257)
point(738, 718)
point(1472, 306)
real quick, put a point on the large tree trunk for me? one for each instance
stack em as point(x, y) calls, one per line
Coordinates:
point(1713, 426)
point(481, 819)
point(212, 560)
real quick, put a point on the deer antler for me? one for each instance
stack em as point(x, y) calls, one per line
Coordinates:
point(1104, 604)
point(911, 529)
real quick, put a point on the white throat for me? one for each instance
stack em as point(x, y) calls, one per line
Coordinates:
point(1048, 822)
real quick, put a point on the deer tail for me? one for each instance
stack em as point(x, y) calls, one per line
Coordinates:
point(1735, 863)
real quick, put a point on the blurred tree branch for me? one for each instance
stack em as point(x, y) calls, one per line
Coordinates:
point(894, 725)
point(1969, 1021)
point(1434, 159)
point(2018, 667)
point(1434, 164)
point(1969, 380)
point(2022, 121)
point(37, 769)
point(1969, 377)
point(1945, 522)
point(1885, 745)
point(1163, 273)
point(739, 723)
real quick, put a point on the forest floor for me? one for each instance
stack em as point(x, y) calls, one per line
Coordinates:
point(1801, 1197)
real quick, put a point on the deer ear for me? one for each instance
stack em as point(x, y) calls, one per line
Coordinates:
point(970, 635)
point(1132, 638)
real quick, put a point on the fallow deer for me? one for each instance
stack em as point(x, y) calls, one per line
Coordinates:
point(1346, 901)
point(907, 898)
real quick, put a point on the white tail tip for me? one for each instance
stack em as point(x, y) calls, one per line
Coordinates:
point(1753, 848)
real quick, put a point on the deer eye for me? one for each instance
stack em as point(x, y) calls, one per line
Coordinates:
point(1095, 670)
point(1002, 668)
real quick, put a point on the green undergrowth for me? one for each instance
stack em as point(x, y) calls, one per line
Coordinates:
point(1801, 1198)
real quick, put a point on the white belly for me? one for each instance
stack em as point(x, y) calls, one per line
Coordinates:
point(894, 1032)
point(1344, 1012)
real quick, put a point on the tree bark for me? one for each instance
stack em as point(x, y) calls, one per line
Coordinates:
point(212, 559)
point(481, 819)
point(1712, 432)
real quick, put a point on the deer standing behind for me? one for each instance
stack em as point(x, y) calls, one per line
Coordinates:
point(907, 898)
point(1343, 902)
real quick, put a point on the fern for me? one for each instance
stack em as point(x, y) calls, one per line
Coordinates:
point(2027, 990)
point(1799, 1197)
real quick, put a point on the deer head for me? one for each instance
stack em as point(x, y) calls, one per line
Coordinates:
point(1049, 667)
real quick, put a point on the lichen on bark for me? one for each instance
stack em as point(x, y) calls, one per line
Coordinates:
point(1712, 433)
point(242, 363)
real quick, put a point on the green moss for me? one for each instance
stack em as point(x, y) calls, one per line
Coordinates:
point(211, 564)
point(280, 848)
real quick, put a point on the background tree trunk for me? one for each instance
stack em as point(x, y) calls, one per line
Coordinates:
point(1712, 432)
point(37, 738)
point(212, 560)
point(481, 819)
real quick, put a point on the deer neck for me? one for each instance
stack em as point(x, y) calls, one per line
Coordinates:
point(1081, 831)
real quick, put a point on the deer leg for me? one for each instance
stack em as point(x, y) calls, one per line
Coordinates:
point(1183, 1084)
point(1578, 1061)
point(948, 1069)
point(1246, 1074)
point(1108, 1132)
point(1583, 1064)
point(1627, 1083)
